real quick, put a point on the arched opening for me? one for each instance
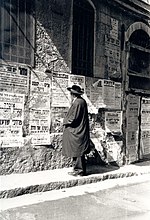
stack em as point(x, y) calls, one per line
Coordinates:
point(141, 38)
point(136, 88)
point(82, 38)
point(139, 60)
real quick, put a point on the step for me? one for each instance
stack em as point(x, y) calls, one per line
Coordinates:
point(26, 183)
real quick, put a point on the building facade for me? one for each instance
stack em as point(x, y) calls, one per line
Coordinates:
point(104, 46)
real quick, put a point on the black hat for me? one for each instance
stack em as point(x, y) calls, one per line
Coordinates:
point(75, 90)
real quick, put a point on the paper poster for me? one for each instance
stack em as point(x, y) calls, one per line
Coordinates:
point(114, 28)
point(97, 93)
point(112, 53)
point(80, 81)
point(96, 126)
point(133, 113)
point(132, 138)
point(132, 145)
point(39, 122)
point(77, 80)
point(40, 101)
point(113, 150)
point(109, 93)
point(40, 139)
point(113, 66)
point(145, 114)
point(132, 119)
point(145, 125)
point(87, 95)
point(60, 94)
point(113, 121)
point(145, 140)
point(11, 119)
point(132, 153)
point(112, 48)
point(14, 79)
point(40, 83)
point(39, 108)
point(57, 114)
point(40, 91)
point(97, 133)
point(132, 126)
point(118, 95)
point(88, 83)
point(91, 108)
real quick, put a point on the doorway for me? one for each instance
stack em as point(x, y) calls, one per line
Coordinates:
point(138, 94)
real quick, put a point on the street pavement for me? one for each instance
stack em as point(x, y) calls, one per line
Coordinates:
point(112, 199)
point(19, 184)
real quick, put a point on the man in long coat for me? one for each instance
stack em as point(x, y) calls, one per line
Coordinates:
point(76, 136)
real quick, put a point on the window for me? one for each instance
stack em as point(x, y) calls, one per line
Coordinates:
point(136, 82)
point(17, 31)
point(83, 38)
point(139, 59)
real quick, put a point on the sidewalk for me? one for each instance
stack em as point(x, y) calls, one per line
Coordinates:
point(18, 184)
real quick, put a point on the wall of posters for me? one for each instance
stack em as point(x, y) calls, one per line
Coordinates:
point(39, 108)
point(11, 119)
point(47, 100)
point(105, 94)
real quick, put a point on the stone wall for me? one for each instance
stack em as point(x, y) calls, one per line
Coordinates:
point(53, 32)
point(54, 23)
point(32, 158)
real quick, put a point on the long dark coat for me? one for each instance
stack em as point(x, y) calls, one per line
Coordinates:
point(76, 136)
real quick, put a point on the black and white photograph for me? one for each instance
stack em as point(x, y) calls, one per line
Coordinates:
point(74, 109)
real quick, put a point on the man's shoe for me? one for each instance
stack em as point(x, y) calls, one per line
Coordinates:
point(76, 173)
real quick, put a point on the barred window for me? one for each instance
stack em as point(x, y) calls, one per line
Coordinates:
point(83, 38)
point(17, 31)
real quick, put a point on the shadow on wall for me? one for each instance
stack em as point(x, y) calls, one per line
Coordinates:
point(52, 34)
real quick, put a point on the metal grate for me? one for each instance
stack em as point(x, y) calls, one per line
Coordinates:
point(17, 31)
point(83, 38)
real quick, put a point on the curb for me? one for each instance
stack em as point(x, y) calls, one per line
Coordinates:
point(70, 183)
